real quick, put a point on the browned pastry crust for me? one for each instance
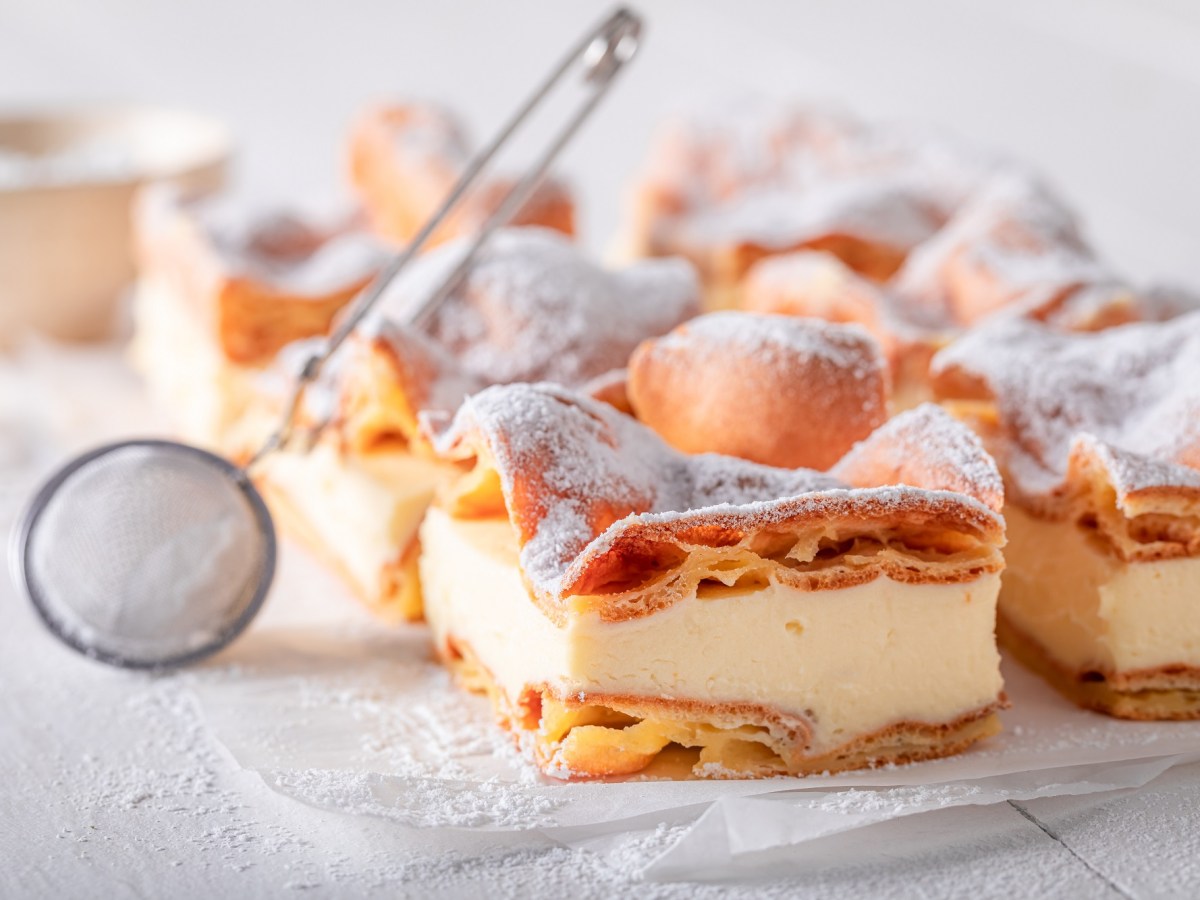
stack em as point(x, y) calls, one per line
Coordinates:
point(1170, 692)
point(533, 307)
point(249, 315)
point(588, 492)
point(1098, 429)
point(775, 390)
point(405, 158)
point(596, 736)
point(388, 380)
point(1011, 241)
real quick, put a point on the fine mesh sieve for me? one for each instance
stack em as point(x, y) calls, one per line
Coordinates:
point(153, 554)
point(147, 553)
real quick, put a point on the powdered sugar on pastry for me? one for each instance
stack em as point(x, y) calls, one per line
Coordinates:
point(770, 217)
point(773, 389)
point(1010, 238)
point(1130, 393)
point(311, 255)
point(585, 485)
point(534, 307)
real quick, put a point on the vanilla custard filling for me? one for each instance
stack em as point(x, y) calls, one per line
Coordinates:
point(851, 661)
point(202, 392)
point(1090, 610)
point(363, 509)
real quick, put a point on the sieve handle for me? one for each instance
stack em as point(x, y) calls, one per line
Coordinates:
point(602, 53)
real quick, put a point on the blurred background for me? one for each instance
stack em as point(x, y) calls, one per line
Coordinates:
point(1103, 96)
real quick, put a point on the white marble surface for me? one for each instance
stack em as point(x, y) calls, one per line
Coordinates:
point(112, 785)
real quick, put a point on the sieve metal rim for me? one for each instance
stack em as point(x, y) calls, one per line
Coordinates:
point(19, 550)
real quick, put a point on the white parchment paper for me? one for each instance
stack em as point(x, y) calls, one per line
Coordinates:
point(356, 717)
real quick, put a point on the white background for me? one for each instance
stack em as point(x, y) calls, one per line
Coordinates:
point(1103, 95)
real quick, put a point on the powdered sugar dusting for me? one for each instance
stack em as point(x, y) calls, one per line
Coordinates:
point(925, 446)
point(890, 214)
point(1133, 391)
point(781, 340)
point(303, 255)
point(578, 474)
point(1014, 229)
point(828, 168)
point(533, 307)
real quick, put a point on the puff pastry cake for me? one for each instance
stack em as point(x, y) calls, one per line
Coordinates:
point(632, 609)
point(404, 159)
point(1098, 436)
point(915, 237)
point(222, 288)
point(531, 307)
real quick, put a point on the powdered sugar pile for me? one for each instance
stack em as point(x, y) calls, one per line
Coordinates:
point(173, 565)
point(1132, 393)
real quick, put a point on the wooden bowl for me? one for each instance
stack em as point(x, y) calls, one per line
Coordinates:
point(67, 181)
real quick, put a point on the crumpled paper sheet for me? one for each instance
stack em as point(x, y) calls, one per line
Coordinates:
point(356, 717)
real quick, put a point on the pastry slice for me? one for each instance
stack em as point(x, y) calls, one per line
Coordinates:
point(631, 609)
point(1011, 242)
point(221, 290)
point(531, 307)
point(729, 191)
point(405, 159)
point(1011, 251)
point(1098, 437)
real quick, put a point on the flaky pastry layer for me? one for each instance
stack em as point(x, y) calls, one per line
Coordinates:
point(592, 496)
point(1169, 692)
point(597, 736)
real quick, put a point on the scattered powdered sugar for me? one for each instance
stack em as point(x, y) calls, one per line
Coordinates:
point(420, 802)
point(578, 474)
point(365, 725)
point(1134, 388)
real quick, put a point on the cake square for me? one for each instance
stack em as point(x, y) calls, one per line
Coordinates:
point(634, 610)
point(1098, 437)
point(222, 289)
